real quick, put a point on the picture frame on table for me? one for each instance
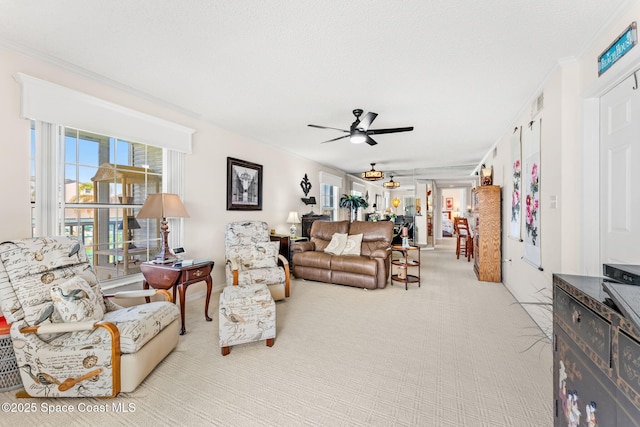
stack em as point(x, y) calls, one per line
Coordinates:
point(244, 185)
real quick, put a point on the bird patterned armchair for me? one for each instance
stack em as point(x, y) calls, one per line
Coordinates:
point(69, 339)
point(251, 257)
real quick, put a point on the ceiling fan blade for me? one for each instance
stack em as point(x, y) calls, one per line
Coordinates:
point(370, 141)
point(327, 127)
point(367, 120)
point(393, 130)
point(335, 139)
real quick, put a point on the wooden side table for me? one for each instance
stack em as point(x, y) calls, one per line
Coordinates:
point(404, 263)
point(167, 276)
point(286, 241)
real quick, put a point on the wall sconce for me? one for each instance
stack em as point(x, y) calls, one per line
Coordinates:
point(309, 201)
point(395, 202)
point(163, 205)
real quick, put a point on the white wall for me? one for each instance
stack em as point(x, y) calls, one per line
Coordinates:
point(569, 233)
point(205, 180)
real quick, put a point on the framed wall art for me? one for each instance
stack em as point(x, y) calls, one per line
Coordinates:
point(449, 203)
point(244, 185)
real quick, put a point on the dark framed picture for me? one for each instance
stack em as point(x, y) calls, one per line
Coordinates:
point(244, 185)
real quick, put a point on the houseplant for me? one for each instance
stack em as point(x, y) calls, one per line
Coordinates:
point(353, 203)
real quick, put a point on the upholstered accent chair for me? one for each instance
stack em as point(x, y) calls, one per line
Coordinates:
point(70, 339)
point(252, 258)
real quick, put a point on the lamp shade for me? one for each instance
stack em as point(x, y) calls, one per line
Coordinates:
point(293, 218)
point(395, 202)
point(163, 205)
point(132, 223)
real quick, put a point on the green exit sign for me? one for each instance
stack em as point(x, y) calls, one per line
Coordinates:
point(618, 48)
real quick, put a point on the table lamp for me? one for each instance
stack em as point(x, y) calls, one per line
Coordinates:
point(132, 224)
point(293, 219)
point(163, 205)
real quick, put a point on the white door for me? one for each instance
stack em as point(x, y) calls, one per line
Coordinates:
point(620, 174)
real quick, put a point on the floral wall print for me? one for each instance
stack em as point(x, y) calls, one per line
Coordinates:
point(533, 204)
point(516, 192)
point(531, 191)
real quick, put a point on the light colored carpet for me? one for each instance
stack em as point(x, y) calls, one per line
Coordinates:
point(454, 352)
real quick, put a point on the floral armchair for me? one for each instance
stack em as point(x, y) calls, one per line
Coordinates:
point(69, 339)
point(252, 258)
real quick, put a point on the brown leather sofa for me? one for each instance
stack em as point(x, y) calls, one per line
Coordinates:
point(368, 270)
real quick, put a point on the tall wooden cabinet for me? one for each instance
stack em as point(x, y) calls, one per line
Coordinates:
point(487, 261)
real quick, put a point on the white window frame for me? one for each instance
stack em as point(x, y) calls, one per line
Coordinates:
point(51, 106)
point(334, 181)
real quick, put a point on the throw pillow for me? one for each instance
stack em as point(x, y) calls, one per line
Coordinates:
point(75, 301)
point(354, 241)
point(337, 244)
point(264, 255)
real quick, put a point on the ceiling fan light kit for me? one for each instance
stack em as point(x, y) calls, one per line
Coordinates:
point(358, 137)
point(373, 174)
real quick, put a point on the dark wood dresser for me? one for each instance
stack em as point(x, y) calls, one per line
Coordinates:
point(596, 357)
point(309, 219)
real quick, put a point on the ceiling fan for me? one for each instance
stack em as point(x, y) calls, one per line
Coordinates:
point(360, 131)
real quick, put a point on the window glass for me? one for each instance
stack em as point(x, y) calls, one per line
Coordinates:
point(105, 182)
point(328, 200)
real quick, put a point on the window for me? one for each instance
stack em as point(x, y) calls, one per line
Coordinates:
point(99, 184)
point(357, 190)
point(91, 184)
point(329, 190)
point(329, 202)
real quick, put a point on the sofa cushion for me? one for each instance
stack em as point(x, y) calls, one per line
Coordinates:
point(337, 244)
point(354, 264)
point(138, 324)
point(34, 266)
point(266, 276)
point(353, 245)
point(376, 235)
point(313, 259)
point(322, 231)
point(75, 301)
point(265, 255)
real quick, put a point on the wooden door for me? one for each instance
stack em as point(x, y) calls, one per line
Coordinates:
point(620, 174)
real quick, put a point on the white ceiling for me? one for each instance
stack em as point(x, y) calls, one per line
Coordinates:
point(460, 72)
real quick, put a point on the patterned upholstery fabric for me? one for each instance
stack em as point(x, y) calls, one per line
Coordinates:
point(247, 314)
point(248, 247)
point(37, 277)
point(140, 323)
point(75, 301)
